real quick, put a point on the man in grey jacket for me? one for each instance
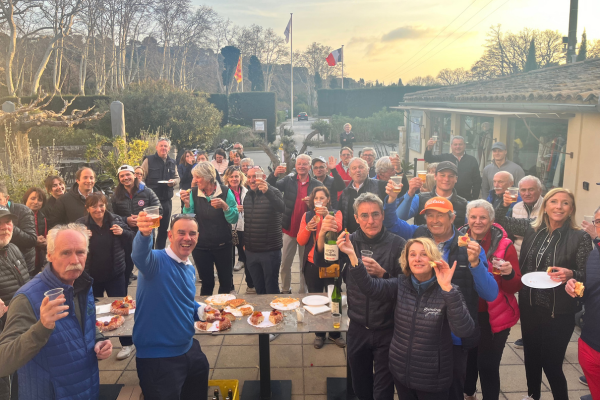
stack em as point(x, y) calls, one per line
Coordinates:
point(499, 163)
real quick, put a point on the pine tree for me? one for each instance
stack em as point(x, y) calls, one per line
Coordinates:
point(582, 48)
point(318, 80)
point(400, 82)
point(333, 83)
point(255, 74)
point(531, 63)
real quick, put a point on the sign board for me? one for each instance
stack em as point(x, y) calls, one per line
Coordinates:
point(259, 125)
point(415, 120)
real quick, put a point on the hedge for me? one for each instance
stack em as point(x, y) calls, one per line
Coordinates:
point(361, 102)
point(246, 106)
point(220, 102)
point(80, 103)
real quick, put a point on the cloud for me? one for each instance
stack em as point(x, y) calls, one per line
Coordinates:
point(406, 32)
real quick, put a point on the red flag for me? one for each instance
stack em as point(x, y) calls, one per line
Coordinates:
point(238, 71)
point(335, 57)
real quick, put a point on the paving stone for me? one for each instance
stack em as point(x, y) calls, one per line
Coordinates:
point(109, 377)
point(286, 356)
point(315, 378)
point(241, 374)
point(512, 379)
point(296, 375)
point(132, 365)
point(129, 378)
point(315, 397)
point(211, 353)
point(294, 338)
point(572, 375)
point(232, 357)
point(571, 356)
point(240, 340)
point(511, 357)
point(328, 356)
point(209, 340)
point(112, 364)
point(296, 396)
point(576, 394)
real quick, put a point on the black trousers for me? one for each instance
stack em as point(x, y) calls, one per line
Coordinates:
point(368, 356)
point(459, 357)
point(161, 238)
point(315, 284)
point(484, 361)
point(405, 393)
point(206, 260)
point(116, 287)
point(545, 341)
point(184, 377)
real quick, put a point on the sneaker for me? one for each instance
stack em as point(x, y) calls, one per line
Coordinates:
point(250, 290)
point(518, 344)
point(238, 266)
point(319, 342)
point(339, 342)
point(273, 336)
point(286, 291)
point(467, 397)
point(586, 397)
point(582, 380)
point(133, 277)
point(125, 352)
point(527, 397)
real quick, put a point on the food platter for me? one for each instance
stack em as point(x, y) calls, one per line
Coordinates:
point(220, 299)
point(285, 304)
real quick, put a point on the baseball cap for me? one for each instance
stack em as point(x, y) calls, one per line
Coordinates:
point(440, 204)
point(499, 145)
point(5, 211)
point(317, 159)
point(446, 165)
point(125, 168)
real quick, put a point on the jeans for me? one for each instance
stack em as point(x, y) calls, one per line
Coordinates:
point(315, 284)
point(368, 356)
point(590, 363)
point(116, 287)
point(545, 341)
point(288, 252)
point(183, 377)
point(484, 360)
point(161, 239)
point(206, 260)
point(264, 268)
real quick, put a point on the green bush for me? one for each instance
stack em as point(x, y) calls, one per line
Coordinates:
point(323, 127)
point(361, 102)
point(60, 136)
point(246, 106)
point(382, 125)
point(191, 119)
point(281, 116)
point(300, 107)
point(237, 133)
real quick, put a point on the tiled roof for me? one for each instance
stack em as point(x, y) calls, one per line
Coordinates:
point(571, 83)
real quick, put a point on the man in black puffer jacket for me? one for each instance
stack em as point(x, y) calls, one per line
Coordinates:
point(13, 275)
point(23, 236)
point(372, 326)
point(263, 206)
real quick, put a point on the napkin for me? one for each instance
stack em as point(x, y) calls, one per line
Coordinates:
point(316, 310)
point(103, 309)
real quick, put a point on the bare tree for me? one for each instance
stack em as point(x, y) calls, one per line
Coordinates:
point(453, 76)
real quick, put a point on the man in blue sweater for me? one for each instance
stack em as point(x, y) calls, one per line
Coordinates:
point(170, 363)
point(471, 275)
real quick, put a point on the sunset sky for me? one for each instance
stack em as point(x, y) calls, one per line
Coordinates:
point(381, 36)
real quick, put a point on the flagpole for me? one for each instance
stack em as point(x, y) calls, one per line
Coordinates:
point(292, 67)
point(242, 70)
point(342, 66)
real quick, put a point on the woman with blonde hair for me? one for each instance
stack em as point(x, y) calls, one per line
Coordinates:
point(552, 243)
point(428, 308)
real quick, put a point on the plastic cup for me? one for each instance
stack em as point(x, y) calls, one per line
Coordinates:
point(434, 138)
point(497, 263)
point(337, 320)
point(397, 182)
point(54, 293)
point(260, 176)
point(422, 176)
point(366, 253)
point(284, 165)
point(589, 218)
point(300, 314)
point(514, 193)
point(393, 154)
point(154, 213)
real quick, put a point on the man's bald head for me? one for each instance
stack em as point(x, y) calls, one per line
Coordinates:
point(502, 181)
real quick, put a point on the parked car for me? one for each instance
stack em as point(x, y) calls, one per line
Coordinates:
point(302, 116)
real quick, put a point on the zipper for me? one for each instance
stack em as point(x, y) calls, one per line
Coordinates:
point(409, 354)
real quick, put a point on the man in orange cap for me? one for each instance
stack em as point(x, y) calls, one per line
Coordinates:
point(471, 275)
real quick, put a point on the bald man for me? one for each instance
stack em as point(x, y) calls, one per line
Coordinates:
point(502, 181)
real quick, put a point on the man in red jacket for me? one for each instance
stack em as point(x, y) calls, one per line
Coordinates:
point(498, 316)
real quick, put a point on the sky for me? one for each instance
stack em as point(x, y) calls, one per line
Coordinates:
point(385, 39)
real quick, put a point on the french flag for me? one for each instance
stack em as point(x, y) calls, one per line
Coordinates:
point(335, 57)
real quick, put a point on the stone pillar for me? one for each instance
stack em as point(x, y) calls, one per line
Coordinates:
point(117, 119)
point(8, 107)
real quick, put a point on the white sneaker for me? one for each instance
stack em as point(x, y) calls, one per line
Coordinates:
point(125, 352)
point(273, 336)
point(238, 266)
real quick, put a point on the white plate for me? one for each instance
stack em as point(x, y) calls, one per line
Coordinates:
point(213, 328)
point(281, 307)
point(316, 300)
point(266, 323)
point(236, 311)
point(163, 182)
point(220, 299)
point(539, 280)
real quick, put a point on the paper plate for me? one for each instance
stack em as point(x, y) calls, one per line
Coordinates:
point(220, 299)
point(316, 300)
point(163, 182)
point(539, 280)
point(266, 323)
point(283, 307)
point(213, 328)
point(236, 311)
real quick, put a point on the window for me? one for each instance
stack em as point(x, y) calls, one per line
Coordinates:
point(442, 128)
point(478, 132)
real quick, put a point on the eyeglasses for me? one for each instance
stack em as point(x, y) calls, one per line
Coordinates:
point(596, 222)
point(321, 167)
point(177, 217)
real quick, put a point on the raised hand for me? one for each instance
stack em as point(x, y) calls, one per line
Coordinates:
point(345, 245)
point(331, 163)
point(430, 144)
point(52, 311)
point(414, 184)
point(329, 225)
point(444, 274)
point(389, 189)
point(262, 185)
point(507, 199)
point(373, 267)
point(185, 197)
point(473, 251)
point(280, 171)
point(145, 223)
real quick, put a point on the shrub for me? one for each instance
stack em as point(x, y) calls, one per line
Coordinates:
point(300, 107)
point(237, 133)
point(323, 127)
point(60, 136)
point(130, 153)
point(281, 116)
point(246, 106)
point(382, 125)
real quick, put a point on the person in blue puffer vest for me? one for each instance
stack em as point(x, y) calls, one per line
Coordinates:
point(55, 345)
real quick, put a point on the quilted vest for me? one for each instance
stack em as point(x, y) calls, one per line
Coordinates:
point(159, 170)
point(214, 230)
point(67, 366)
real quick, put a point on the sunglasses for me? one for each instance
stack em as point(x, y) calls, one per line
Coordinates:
point(177, 217)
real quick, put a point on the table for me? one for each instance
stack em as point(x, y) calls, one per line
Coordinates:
point(265, 388)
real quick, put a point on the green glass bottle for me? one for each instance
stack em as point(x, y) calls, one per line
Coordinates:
point(336, 298)
point(332, 252)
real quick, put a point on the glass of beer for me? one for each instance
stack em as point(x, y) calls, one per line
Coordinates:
point(318, 206)
point(589, 218)
point(337, 320)
point(514, 193)
point(260, 175)
point(397, 182)
point(497, 263)
point(284, 165)
point(422, 176)
point(393, 154)
point(153, 212)
point(54, 293)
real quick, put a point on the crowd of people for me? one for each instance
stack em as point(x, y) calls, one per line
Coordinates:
point(432, 269)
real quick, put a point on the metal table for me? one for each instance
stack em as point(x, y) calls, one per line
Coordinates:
point(265, 388)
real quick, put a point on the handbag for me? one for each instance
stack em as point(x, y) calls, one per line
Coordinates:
point(234, 237)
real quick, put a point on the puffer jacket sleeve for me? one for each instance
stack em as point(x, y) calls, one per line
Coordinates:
point(378, 289)
point(128, 234)
point(278, 183)
point(275, 199)
point(154, 201)
point(24, 230)
point(461, 323)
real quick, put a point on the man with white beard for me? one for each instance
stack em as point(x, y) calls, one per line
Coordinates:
point(54, 344)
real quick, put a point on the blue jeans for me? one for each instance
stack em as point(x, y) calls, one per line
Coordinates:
point(264, 269)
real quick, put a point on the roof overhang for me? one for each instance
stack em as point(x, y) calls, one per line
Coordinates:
point(520, 110)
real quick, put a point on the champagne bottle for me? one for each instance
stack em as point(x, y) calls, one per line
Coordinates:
point(216, 394)
point(230, 394)
point(336, 298)
point(331, 249)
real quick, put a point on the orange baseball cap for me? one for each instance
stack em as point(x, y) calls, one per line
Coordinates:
point(440, 204)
